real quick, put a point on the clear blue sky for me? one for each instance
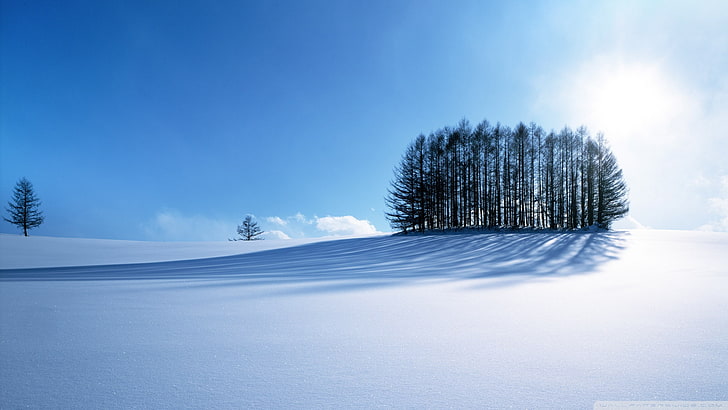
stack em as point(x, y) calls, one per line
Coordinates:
point(172, 120)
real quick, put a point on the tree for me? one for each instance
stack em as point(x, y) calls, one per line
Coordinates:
point(498, 177)
point(23, 209)
point(612, 200)
point(249, 229)
point(404, 198)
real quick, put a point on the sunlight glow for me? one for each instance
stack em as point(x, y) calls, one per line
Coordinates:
point(631, 99)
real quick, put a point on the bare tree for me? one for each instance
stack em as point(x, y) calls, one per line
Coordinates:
point(23, 209)
point(249, 229)
point(498, 177)
point(612, 202)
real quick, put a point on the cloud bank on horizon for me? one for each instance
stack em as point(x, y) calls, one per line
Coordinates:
point(172, 225)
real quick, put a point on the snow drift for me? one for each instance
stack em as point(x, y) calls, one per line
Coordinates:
point(472, 320)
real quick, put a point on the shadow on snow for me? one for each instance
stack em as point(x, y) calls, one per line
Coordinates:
point(377, 261)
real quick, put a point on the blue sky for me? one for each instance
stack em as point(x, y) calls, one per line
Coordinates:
point(173, 120)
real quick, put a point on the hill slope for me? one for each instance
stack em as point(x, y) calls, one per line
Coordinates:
point(41, 252)
point(491, 320)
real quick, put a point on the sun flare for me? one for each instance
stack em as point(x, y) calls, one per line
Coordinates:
point(631, 99)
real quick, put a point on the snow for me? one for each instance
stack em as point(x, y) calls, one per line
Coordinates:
point(537, 320)
point(39, 252)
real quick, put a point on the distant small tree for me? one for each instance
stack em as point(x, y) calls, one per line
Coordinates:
point(23, 209)
point(249, 229)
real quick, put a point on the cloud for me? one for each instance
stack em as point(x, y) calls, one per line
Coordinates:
point(294, 226)
point(276, 220)
point(344, 225)
point(172, 225)
point(299, 225)
point(299, 217)
point(275, 235)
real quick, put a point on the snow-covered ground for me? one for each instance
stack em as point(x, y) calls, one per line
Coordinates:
point(541, 320)
point(42, 252)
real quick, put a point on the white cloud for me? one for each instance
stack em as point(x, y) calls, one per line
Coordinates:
point(299, 217)
point(275, 235)
point(294, 226)
point(344, 225)
point(276, 220)
point(171, 225)
point(299, 225)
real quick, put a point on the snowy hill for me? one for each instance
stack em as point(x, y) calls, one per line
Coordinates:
point(541, 320)
point(17, 251)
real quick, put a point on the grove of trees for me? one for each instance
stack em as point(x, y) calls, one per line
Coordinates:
point(24, 209)
point(493, 176)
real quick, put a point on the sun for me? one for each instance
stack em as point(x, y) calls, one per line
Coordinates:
point(630, 99)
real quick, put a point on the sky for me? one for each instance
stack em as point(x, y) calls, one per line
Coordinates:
point(173, 120)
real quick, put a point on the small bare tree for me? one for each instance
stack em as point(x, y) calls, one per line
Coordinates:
point(249, 229)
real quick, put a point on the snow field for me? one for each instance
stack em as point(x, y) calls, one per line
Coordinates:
point(542, 320)
point(41, 252)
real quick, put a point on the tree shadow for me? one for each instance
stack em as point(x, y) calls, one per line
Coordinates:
point(351, 264)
